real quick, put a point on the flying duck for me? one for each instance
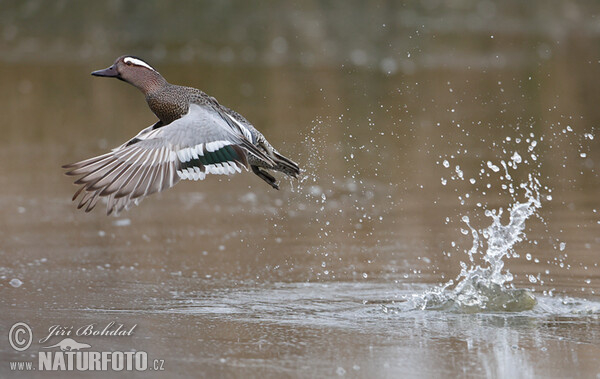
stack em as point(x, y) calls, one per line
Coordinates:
point(194, 136)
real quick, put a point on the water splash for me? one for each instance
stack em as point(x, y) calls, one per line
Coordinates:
point(486, 287)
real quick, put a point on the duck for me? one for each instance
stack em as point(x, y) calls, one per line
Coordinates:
point(193, 137)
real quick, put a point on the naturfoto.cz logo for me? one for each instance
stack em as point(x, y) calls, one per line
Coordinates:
point(71, 355)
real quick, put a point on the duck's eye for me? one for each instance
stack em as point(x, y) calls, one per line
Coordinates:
point(128, 63)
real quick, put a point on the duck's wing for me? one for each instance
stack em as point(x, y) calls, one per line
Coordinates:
point(201, 142)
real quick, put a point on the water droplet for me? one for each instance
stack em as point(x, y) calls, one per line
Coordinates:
point(15, 283)
point(532, 279)
point(122, 222)
point(492, 166)
point(516, 158)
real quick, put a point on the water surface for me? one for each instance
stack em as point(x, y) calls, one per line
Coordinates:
point(379, 105)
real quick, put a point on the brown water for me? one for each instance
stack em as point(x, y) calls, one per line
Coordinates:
point(227, 277)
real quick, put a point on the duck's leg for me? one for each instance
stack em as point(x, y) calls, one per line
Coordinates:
point(265, 176)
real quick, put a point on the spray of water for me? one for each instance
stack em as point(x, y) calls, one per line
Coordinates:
point(486, 286)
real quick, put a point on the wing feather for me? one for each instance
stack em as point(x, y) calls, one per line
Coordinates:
point(158, 158)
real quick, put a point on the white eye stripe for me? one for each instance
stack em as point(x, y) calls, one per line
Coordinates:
point(138, 62)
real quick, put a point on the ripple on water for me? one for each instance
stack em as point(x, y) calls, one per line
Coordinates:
point(356, 304)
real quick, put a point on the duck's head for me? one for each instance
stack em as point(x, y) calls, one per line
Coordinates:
point(135, 71)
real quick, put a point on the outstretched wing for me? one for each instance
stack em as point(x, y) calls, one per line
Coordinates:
point(201, 142)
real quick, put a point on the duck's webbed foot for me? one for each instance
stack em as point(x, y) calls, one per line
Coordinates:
point(270, 179)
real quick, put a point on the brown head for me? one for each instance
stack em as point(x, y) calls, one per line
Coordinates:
point(136, 72)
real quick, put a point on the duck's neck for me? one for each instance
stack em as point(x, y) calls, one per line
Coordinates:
point(151, 83)
point(168, 103)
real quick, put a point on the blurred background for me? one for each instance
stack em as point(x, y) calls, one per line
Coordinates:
point(393, 110)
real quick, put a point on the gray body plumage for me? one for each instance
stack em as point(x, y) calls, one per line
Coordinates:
point(173, 101)
point(195, 136)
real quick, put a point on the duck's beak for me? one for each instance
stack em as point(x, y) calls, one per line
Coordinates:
point(110, 72)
